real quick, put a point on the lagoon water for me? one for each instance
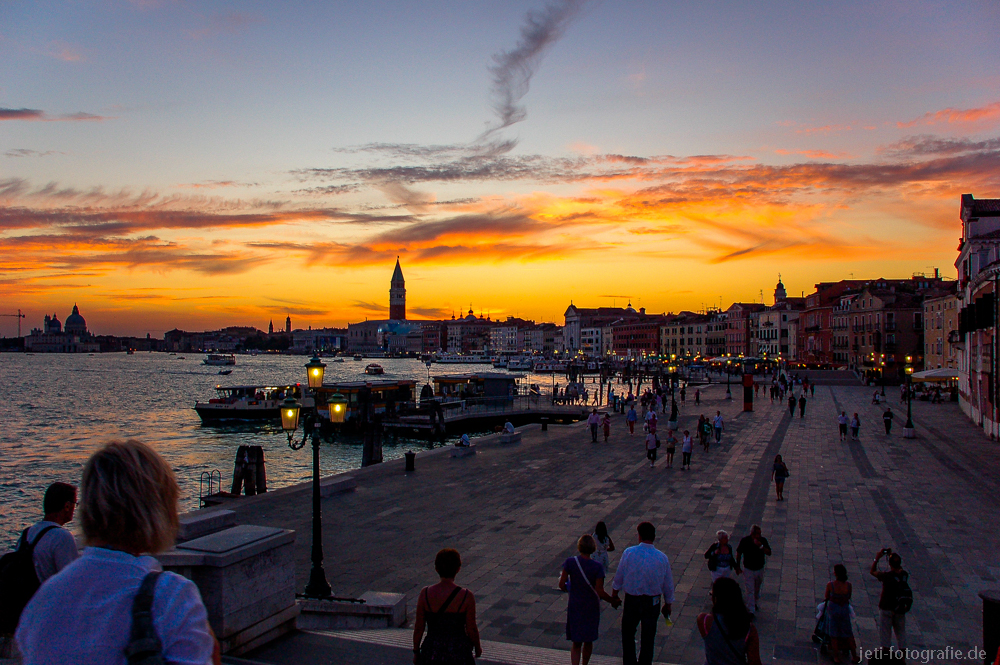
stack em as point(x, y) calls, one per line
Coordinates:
point(58, 408)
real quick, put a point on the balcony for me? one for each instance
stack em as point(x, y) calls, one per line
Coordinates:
point(890, 326)
point(954, 337)
point(890, 347)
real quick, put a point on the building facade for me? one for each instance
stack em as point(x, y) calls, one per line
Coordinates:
point(978, 266)
point(941, 330)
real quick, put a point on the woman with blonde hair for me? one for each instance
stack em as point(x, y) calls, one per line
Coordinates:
point(583, 578)
point(114, 603)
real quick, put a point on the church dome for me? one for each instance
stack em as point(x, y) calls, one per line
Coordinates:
point(75, 323)
point(630, 309)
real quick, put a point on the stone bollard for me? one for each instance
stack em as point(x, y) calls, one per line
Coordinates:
point(991, 623)
point(545, 423)
point(410, 457)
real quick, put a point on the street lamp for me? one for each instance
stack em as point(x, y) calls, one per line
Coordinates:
point(317, 587)
point(729, 394)
point(908, 431)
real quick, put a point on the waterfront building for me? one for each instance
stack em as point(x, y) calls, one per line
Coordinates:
point(507, 337)
point(823, 337)
point(578, 318)
point(886, 322)
point(941, 329)
point(738, 335)
point(637, 337)
point(978, 266)
point(469, 334)
point(590, 341)
point(53, 338)
point(685, 335)
point(316, 340)
point(770, 326)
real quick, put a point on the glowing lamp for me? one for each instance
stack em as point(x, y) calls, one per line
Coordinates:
point(909, 359)
point(909, 369)
point(314, 371)
point(290, 411)
point(338, 407)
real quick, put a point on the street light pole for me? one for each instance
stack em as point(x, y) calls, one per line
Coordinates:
point(729, 394)
point(317, 587)
point(908, 429)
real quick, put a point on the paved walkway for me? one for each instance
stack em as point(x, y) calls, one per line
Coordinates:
point(515, 513)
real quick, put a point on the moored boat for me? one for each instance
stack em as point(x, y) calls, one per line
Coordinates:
point(248, 402)
point(374, 369)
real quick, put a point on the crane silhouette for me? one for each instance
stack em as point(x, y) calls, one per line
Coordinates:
point(19, 316)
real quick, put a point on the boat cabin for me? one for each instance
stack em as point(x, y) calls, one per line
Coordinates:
point(386, 396)
point(451, 387)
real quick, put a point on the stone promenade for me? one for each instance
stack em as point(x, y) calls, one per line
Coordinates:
point(515, 512)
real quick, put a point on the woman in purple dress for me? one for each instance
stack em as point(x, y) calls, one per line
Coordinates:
point(584, 579)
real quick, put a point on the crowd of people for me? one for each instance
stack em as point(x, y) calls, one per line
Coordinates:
point(115, 604)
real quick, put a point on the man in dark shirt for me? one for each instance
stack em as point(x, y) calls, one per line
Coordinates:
point(890, 621)
point(887, 419)
point(751, 553)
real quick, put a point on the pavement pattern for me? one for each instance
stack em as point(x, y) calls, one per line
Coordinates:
point(515, 512)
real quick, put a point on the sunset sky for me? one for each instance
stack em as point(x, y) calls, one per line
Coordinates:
point(179, 164)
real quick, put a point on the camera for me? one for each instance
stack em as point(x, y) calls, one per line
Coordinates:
point(887, 550)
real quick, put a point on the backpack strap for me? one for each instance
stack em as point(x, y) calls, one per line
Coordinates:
point(144, 646)
point(30, 545)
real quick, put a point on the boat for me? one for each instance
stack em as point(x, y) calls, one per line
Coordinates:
point(357, 356)
point(461, 359)
point(219, 359)
point(337, 360)
point(374, 369)
point(130, 352)
point(249, 402)
point(500, 362)
point(225, 372)
point(519, 364)
point(549, 366)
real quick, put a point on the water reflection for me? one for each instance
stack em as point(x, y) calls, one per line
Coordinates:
point(58, 408)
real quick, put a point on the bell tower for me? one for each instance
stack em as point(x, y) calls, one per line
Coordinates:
point(397, 294)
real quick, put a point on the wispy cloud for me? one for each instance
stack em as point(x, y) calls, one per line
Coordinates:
point(39, 115)
point(65, 52)
point(988, 114)
point(228, 23)
point(512, 70)
point(217, 184)
point(26, 152)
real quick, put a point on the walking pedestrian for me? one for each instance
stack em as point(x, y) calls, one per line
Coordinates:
point(706, 432)
point(651, 421)
point(855, 427)
point(645, 578)
point(83, 614)
point(683, 394)
point(586, 591)
point(751, 555)
point(721, 558)
point(604, 545)
point(812, 389)
point(686, 451)
point(718, 425)
point(652, 443)
point(46, 548)
point(791, 405)
point(887, 420)
point(452, 633)
point(697, 396)
point(778, 474)
point(606, 426)
point(802, 405)
point(594, 421)
point(842, 424)
point(895, 601)
point(630, 419)
point(730, 636)
point(671, 448)
point(838, 615)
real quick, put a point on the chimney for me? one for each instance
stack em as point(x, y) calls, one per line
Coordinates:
point(937, 273)
point(642, 310)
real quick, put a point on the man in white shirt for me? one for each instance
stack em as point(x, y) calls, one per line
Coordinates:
point(719, 425)
point(57, 548)
point(644, 576)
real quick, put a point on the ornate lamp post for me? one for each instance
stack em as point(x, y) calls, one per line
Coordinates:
point(317, 587)
point(908, 430)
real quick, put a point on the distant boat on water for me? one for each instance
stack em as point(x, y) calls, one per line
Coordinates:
point(374, 369)
point(218, 359)
point(225, 372)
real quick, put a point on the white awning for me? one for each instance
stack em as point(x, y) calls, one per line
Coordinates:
point(940, 374)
